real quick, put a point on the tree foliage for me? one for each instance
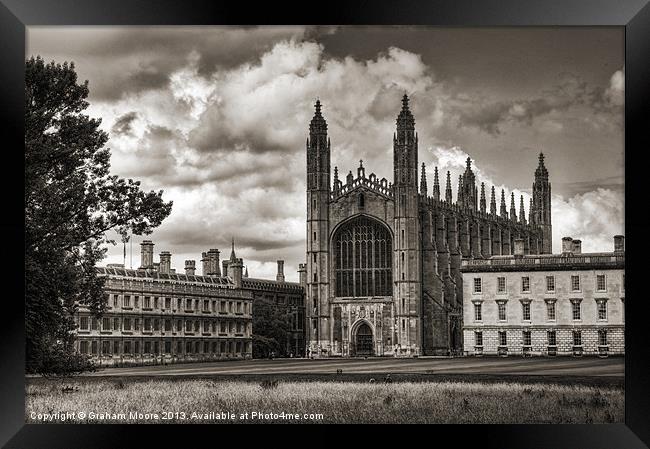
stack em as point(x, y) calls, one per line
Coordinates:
point(270, 329)
point(71, 201)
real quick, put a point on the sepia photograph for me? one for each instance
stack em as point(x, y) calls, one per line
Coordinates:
point(324, 224)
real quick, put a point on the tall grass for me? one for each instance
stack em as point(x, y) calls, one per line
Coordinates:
point(338, 402)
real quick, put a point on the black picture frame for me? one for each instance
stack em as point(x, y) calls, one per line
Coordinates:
point(634, 15)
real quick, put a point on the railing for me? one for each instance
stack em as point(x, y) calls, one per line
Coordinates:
point(382, 186)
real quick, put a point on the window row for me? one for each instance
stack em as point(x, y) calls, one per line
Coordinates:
point(129, 324)
point(551, 338)
point(155, 303)
point(576, 310)
point(117, 347)
point(601, 284)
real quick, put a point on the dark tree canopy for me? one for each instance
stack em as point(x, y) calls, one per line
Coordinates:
point(270, 329)
point(71, 201)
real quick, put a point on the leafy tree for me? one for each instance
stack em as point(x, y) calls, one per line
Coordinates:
point(71, 201)
point(270, 328)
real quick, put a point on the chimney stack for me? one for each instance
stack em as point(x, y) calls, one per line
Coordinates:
point(619, 244)
point(213, 263)
point(224, 266)
point(280, 276)
point(146, 255)
point(302, 274)
point(165, 262)
point(235, 271)
point(519, 247)
point(205, 264)
point(567, 245)
point(577, 246)
point(190, 267)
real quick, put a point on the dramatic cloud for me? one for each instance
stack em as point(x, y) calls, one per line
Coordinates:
point(249, 109)
point(594, 217)
point(123, 123)
point(148, 156)
point(121, 61)
point(570, 92)
point(218, 117)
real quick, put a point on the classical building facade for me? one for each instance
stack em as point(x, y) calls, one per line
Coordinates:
point(155, 315)
point(558, 304)
point(383, 258)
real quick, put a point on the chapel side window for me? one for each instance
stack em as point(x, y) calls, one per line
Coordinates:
point(363, 259)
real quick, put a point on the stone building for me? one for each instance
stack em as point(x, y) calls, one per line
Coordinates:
point(155, 315)
point(383, 259)
point(555, 304)
point(289, 297)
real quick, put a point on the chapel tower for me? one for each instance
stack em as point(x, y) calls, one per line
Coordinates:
point(541, 210)
point(407, 271)
point(318, 192)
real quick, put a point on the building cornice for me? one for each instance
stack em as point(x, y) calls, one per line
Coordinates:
point(553, 262)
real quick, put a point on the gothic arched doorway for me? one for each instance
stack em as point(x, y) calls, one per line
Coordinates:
point(363, 343)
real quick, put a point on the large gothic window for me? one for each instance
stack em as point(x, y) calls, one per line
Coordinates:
point(362, 251)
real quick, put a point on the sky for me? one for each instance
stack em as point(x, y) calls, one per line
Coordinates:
point(217, 117)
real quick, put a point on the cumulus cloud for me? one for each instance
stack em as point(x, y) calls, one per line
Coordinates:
point(593, 217)
point(224, 135)
point(249, 109)
point(614, 95)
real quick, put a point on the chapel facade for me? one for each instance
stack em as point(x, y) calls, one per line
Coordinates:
point(383, 258)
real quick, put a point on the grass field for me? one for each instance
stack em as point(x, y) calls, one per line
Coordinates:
point(336, 401)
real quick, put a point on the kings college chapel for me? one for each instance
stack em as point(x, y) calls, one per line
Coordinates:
point(383, 259)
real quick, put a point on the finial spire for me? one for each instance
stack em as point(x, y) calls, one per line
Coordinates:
point(405, 101)
point(448, 188)
point(522, 211)
point(232, 252)
point(459, 196)
point(541, 172)
point(503, 211)
point(482, 200)
point(493, 203)
point(405, 120)
point(513, 211)
point(436, 185)
point(336, 182)
point(423, 181)
point(317, 126)
point(361, 172)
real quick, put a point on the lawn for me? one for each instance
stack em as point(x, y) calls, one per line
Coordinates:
point(221, 401)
